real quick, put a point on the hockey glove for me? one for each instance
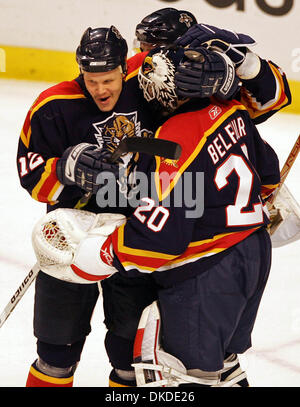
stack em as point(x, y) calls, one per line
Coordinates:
point(232, 44)
point(75, 245)
point(203, 73)
point(80, 165)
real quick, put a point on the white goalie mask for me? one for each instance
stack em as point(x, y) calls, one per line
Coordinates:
point(156, 78)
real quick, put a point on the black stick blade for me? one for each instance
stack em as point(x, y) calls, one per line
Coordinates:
point(152, 146)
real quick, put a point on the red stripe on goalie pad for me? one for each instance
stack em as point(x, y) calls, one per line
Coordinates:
point(87, 276)
point(137, 348)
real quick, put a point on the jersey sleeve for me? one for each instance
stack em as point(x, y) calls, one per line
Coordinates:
point(134, 63)
point(42, 141)
point(266, 94)
point(143, 244)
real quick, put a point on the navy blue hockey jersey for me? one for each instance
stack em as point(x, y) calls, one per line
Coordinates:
point(205, 202)
point(65, 115)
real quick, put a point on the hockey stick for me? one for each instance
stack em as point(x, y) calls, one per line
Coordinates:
point(276, 217)
point(19, 293)
point(286, 168)
point(152, 146)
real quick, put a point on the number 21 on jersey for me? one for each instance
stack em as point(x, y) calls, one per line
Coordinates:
point(235, 214)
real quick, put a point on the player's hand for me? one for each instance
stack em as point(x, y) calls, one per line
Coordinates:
point(234, 45)
point(81, 165)
point(203, 73)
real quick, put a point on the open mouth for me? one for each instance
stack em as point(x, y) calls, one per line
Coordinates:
point(105, 99)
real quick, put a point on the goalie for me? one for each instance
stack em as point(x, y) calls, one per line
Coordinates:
point(210, 268)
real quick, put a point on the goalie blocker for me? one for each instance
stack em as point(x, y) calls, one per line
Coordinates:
point(288, 229)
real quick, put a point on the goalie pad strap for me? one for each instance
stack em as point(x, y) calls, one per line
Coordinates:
point(233, 381)
point(172, 375)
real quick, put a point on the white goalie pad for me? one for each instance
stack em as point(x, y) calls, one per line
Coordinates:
point(66, 237)
point(153, 366)
point(288, 230)
point(156, 368)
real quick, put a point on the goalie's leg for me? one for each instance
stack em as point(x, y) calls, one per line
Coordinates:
point(205, 319)
point(156, 368)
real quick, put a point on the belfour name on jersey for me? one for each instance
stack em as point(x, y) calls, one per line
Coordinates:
point(226, 138)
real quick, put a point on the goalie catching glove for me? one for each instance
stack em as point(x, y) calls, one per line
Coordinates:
point(285, 223)
point(81, 165)
point(74, 245)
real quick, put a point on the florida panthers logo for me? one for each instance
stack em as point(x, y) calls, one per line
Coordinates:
point(109, 134)
point(186, 19)
point(156, 79)
point(118, 126)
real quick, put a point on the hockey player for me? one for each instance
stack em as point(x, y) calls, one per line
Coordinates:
point(68, 134)
point(211, 281)
point(264, 89)
point(210, 265)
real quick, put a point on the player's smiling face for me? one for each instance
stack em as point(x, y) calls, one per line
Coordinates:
point(104, 87)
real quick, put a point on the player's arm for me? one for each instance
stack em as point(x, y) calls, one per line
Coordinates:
point(264, 90)
point(36, 158)
point(93, 252)
point(48, 169)
point(143, 243)
point(266, 93)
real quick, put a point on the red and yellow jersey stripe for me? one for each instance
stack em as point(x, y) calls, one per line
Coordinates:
point(147, 261)
point(267, 190)
point(64, 90)
point(204, 122)
point(48, 188)
point(134, 63)
point(280, 98)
